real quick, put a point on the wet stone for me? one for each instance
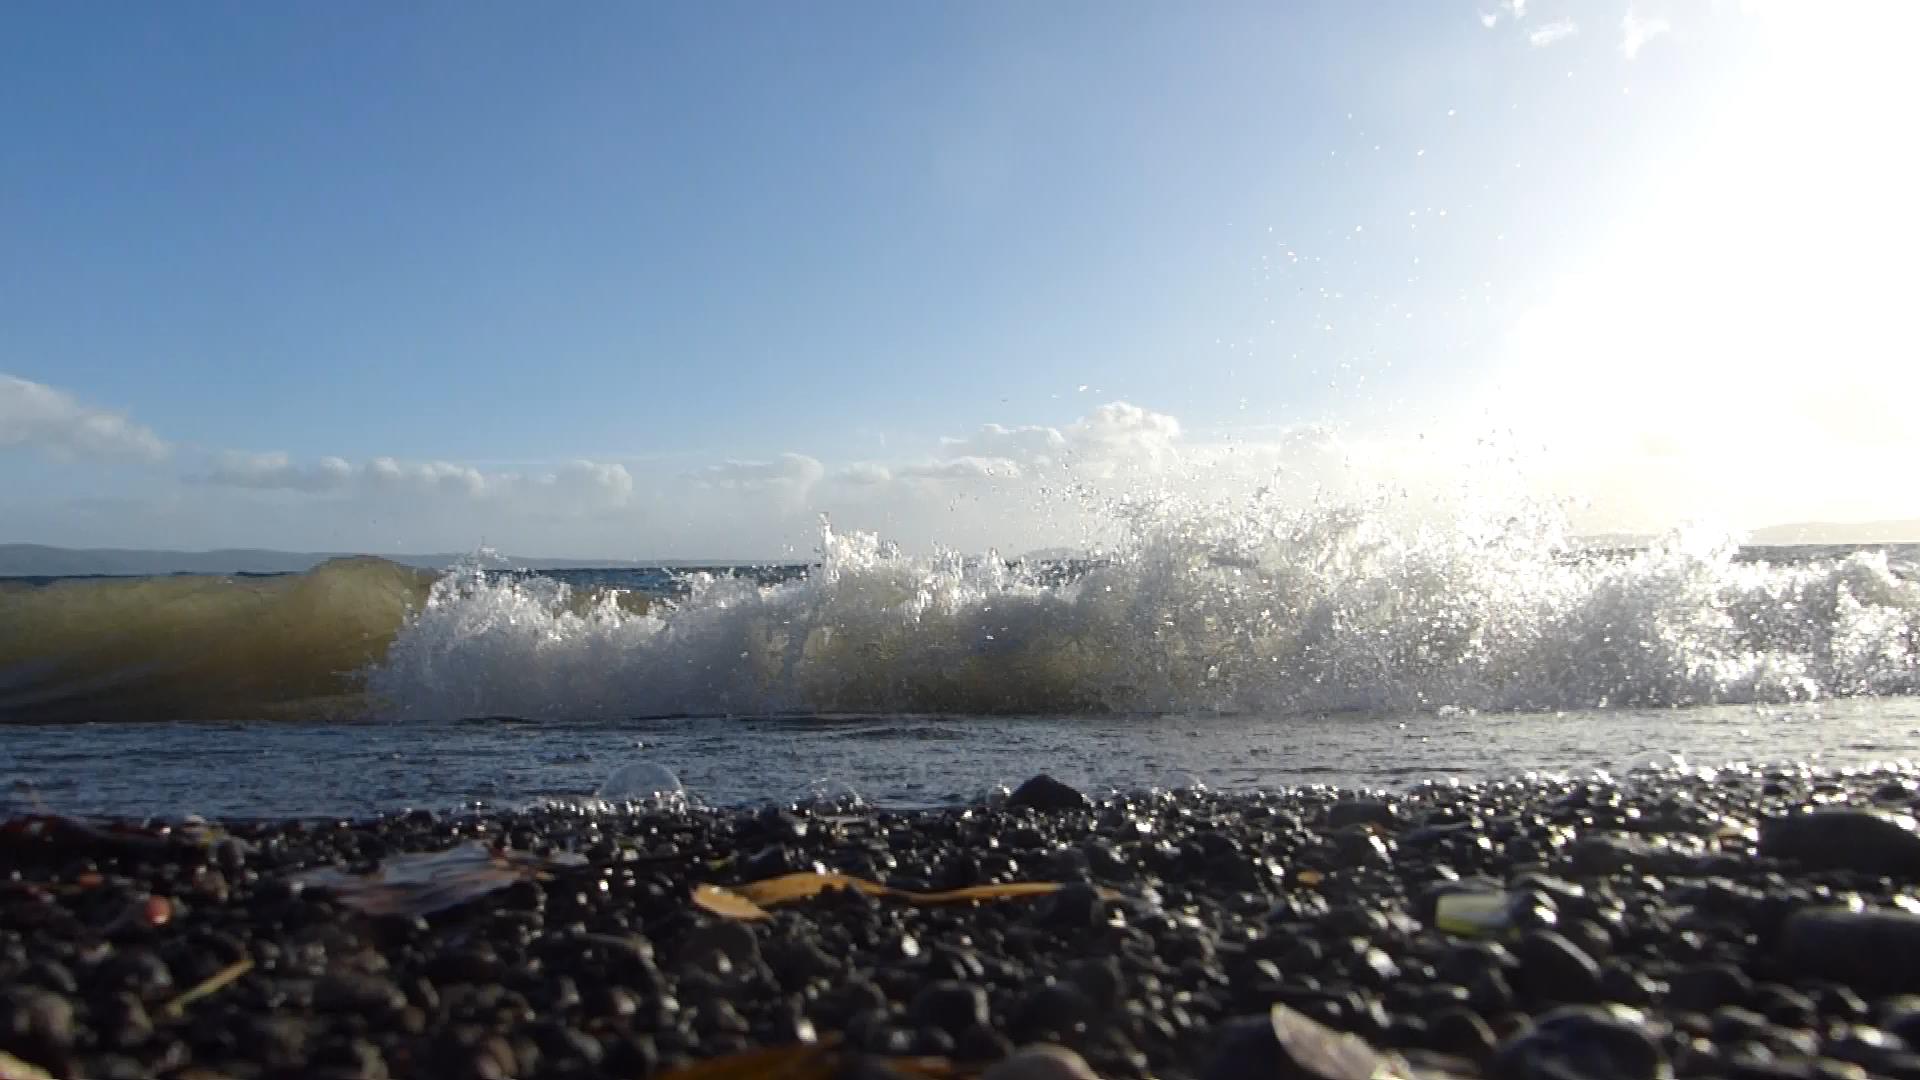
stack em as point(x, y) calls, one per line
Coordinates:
point(1362, 812)
point(1555, 969)
point(952, 1007)
point(1043, 792)
point(1702, 988)
point(1582, 1043)
point(1868, 841)
point(1874, 949)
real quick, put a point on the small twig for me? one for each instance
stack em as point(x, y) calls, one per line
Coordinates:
point(219, 979)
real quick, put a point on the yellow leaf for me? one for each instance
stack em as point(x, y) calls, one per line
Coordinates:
point(1310, 878)
point(789, 887)
point(728, 903)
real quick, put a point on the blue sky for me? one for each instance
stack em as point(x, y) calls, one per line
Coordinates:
point(654, 280)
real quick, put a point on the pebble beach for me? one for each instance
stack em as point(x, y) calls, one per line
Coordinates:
point(1688, 922)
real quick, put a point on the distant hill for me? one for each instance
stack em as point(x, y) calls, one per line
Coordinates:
point(1827, 532)
point(40, 560)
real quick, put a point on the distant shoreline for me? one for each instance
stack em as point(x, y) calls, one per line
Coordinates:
point(47, 561)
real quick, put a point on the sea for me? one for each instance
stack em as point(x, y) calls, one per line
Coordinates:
point(1257, 647)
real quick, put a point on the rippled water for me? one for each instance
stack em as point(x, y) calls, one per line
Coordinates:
point(330, 770)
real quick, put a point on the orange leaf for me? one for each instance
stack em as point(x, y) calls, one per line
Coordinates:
point(788, 888)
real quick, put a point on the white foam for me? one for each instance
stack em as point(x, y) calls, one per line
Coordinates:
point(1256, 609)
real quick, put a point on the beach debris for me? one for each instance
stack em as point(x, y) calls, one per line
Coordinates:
point(12, 1068)
point(423, 883)
point(750, 901)
point(1289, 1044)
point(1473, 913)
point(212, 984)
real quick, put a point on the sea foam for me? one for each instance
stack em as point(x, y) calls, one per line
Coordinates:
point(1251, 607)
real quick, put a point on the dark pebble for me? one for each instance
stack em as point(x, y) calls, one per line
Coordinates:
point(1702, 988)
point(1869, 841)
point(1043, 792)
point(952, 1007)
point(1555, 969)
point(1582, 1043)
point(1875, 949)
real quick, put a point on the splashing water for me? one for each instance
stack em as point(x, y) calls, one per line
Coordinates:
point(1250, 608)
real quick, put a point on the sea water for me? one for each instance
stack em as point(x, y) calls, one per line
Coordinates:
point(1232, 645)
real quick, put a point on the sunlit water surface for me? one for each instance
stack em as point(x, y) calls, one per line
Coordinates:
point(282, 770)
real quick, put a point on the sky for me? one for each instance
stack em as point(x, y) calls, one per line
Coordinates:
point(672, 281)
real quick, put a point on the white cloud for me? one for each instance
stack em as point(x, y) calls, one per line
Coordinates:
point(1636, 31)
point(277, 471)
point(34, 414)
point(577, 483)
point(1552, 32)
point(1033, 444)
point(963, 468)
point(1489, 19)
point(791, 473)
point(1113, 435)
point(1516, 8)
point(864, 474)
point(590, 481)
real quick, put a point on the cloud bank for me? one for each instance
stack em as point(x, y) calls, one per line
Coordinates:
point(39, 416)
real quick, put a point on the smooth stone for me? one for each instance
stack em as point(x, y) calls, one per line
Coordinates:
point(949, 1006)
point(1702, 988)
point(1553, 968)
point(1462, 1032)
point(1869, 841)
point(705, 944)
point(1874, 949)
point(1043, 792)
point(1602, 854)
point(1053, 1009)
point(1582, 1042)
point(1362, 812)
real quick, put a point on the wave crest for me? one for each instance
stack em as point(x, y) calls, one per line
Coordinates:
point(1249, 609)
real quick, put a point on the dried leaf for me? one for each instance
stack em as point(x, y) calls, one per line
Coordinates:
point(799, 1061)
point(219, 979)
point(12, 1068)
point(1309, 878)
point(728, 903)
point(790, 887)
point(423, 883)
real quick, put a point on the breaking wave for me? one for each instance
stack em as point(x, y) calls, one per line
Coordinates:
point(1254, 609)
point(196, 648)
